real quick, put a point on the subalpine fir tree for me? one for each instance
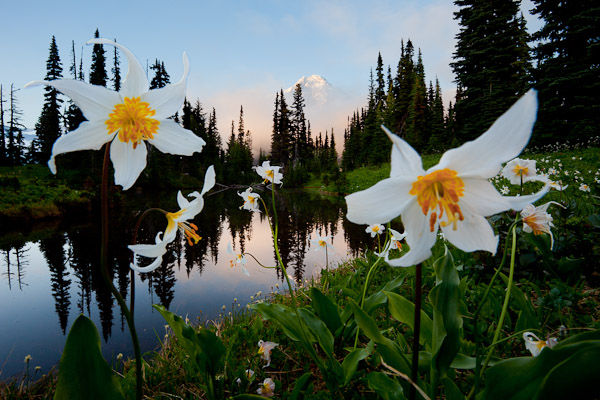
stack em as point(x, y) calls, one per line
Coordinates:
point(491, 63)
point(98, 75)
point(438, 141)
point(48, 126)
point(161, 77)
point(415, 131)
point(3, 156)
point(73, 115)
point(298, 132)
point(281, 137)
point(567, 73)
point(15, 150)
point(116, 71)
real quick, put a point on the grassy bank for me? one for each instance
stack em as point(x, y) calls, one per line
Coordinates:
point(31, 193)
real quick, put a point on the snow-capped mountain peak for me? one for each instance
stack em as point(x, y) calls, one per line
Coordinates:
point(315, 89)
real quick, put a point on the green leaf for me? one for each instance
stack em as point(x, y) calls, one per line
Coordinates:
point(387, 388)
point(326, 310)
point(566, 371)
point(404, 311)
point(210, 357)
point(318, 329)
point(283, 316)
point(300, 385)
point(527, 317)
point(595, 220)
point(185, 334)
point(452, 391)
point(352, 359)
point(447, 320)
point(83, 372)
point(378, 298)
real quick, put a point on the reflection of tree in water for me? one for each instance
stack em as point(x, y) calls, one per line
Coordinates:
point(20, 263)
point(240, 221)
point(298, 215)
point(82, 250)
point(53, 250)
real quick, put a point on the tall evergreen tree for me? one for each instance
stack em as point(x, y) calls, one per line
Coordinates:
point(567, 74)
point(298, 129)
point(73, 115)
point(15, 143)
point(161, 77)
point(98, 75)
point(116, 70)
point(48, 126)
point(281, 137)
point(491, 62)
point(415, 131)
point(3, 155)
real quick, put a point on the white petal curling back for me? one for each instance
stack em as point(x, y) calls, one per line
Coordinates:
point(128, 163)
point(89, 136)
point(173, 139)
point(95, 102)
point(168, 100)
point(135, 81)
point(209, 180)
point(506, 138)
point(405, 160)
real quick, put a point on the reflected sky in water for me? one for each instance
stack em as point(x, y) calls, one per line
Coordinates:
point(48, 277)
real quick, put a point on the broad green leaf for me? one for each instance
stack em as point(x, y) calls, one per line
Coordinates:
point(325, 309)
point(184, 333)
point(387, 388)
point(210, 356)
point(452, 391)
point(300, 385)
point(283, 316)
point(568, 370)
point(447, 320)
point(404, 311)
point(318, 329)
point(352, 359)
point(378, 298)
point(527, 317)
point(83, 372)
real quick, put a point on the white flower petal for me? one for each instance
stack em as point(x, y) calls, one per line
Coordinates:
point(472, 234)
point(149, 250)
point(182, 201)
point(517, 203)
point(245, 271)
point(405, 159)
point(173, 139)
point(209, 180)
point(127, 161)
point(418, 236)
point(381, 202)
point(135, 82)
point(89, 136)
point(482, 198)
point(155, 264)
point(169, 99)
point(95, 102)
point(483, 157)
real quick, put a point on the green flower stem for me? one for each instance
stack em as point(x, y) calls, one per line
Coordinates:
point(480, 307)
point(106, 275)
point(506, 299)
point(364, 293)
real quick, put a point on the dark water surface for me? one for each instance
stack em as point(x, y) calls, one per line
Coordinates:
point(50, 274)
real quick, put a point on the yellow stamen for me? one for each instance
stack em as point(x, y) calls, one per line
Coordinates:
point(520, 170)
point(322, 243)
point(189, 229)
point(132, 120)
point(440, 190)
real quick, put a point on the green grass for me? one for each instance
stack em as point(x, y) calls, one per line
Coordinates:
point(32, 192)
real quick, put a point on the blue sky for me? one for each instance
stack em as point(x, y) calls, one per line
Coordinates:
point(241, 52)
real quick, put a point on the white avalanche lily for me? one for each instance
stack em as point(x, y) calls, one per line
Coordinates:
point(238, 260)
point(126, 119)
point(178, 220)
point(455, 195)
point(519, 171)
point(537, 220)
point(269, 173)
point(535, 345)
point(393, 244)
point(250, 200)
point(321, 242)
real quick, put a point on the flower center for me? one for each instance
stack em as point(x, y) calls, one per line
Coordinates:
point(132, 120)
point(376, 228)
point(322, 243)
point(439, 190)
point(520, 170)
point(189, 229)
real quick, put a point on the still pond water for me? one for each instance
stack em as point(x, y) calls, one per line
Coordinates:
point(50, 275)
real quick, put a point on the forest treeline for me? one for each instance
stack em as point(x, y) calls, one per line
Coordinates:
point(495, 61)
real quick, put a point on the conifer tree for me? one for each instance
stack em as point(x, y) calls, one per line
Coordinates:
point(116, 70)
point(98, 75)
point(15, 144)
point(281, 137)
point(568, 56)
point(416, 127)
point(48, 126)
point(3, 155)
point(161, 77)
point(73, 115)
point(438, 141)
point(298, 132)
point(491, 62)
